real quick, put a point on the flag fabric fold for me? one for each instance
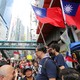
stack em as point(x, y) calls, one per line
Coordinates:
point(69, 58)
point(54, 15)
point(49, 15)
point(72, 13)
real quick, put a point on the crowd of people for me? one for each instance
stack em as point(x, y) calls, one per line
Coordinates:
point(49, 65)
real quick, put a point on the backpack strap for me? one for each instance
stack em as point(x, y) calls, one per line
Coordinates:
point(44, 65)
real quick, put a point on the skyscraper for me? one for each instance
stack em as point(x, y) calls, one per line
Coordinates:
point(2, 6)
point(3, 28)
point(8, 12)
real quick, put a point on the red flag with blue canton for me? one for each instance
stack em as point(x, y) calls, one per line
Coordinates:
point(69, 58)
point(49, 15)
point(72, 13)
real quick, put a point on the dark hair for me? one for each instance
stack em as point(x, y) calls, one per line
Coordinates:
point(35, 62)
point(43, 49)
point(56, 47)
point(69, 74)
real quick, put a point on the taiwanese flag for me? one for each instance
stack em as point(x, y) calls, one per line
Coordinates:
point(69, 58)
point(72, 13)
point(55, 14)
point(49, 15)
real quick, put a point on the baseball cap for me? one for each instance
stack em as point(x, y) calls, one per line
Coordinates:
point(27, 68)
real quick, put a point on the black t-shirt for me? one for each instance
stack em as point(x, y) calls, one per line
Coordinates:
point(26, 78)
point(59, 61)
point(49, 71)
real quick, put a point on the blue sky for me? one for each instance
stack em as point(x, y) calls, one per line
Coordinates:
point(9, 2)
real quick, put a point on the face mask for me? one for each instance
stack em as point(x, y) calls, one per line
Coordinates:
point(51, 54)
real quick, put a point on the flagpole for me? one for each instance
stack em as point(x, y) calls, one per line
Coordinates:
point(64, 18)
point(66, 25)
point(51, 3)
point(43, 25)
point(42, 36)
point(63, 13)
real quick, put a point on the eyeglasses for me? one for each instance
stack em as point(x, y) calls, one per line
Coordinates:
point(38, 51)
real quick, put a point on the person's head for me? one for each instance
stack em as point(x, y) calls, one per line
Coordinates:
point(7, 72)
point(35, 63)
point(69, 74)
point(54, 48)
point(40, 51)
point(28, 71)
point(74, 55)
point(31, 63)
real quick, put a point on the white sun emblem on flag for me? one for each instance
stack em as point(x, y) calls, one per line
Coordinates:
point(38, 12)
point(68, 8)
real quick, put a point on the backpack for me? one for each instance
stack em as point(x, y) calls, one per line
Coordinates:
point(58, 70)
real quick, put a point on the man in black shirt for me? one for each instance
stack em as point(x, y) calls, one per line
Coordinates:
point(59, 58)
point(47, 69)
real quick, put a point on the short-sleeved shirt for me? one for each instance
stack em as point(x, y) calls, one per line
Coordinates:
point(59, 60)
point(25, 78)
point(49, 71)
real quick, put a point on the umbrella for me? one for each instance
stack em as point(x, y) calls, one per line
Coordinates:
point(75, 46)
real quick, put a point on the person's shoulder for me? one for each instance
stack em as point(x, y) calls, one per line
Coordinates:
point(60, 55)
point(49, 61)
point(48, 58)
